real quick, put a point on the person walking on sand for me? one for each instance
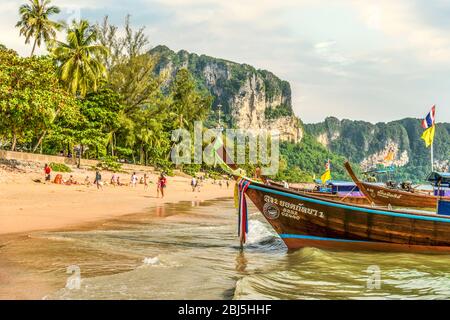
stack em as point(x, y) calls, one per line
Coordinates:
point(145, 182)
point(133, 180)
point(228, 183)
point(193, 183)
point(47, 172)
point(161, 185)
point(98, 180)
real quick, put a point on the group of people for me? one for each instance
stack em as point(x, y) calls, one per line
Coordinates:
point(196, 183)
point(115, 180)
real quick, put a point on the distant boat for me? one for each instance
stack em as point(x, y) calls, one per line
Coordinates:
point(384, 196)
point(304, 220)
point(343, 191)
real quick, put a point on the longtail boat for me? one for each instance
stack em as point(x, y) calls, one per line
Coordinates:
point(303, 220)
point(385, 196)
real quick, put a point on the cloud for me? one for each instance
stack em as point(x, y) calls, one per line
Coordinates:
point(344, 58)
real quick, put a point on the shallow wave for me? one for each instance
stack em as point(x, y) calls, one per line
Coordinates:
point(312, 273)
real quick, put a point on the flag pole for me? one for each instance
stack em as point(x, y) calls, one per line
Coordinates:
point(432, 155)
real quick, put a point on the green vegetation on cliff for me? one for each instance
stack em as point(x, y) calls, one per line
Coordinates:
point(303, 161)
point(358, 140)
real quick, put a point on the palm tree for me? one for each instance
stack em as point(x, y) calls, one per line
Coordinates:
point(80, 59)
point(35, 23)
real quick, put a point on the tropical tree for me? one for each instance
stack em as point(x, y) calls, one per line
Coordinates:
point(130, 67)
point(31, 97)
point(35, 22)
point(188, 103)
point(80, 58)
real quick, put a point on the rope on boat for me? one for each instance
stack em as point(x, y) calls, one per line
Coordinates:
point(243, 185)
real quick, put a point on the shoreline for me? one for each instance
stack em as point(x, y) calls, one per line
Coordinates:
point(28, 206)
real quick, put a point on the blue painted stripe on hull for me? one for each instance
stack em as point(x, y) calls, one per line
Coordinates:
point(343, 206)
point(299, 236)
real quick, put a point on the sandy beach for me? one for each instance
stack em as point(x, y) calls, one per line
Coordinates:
point(29, 206)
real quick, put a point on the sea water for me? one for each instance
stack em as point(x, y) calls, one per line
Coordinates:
point(191, 251)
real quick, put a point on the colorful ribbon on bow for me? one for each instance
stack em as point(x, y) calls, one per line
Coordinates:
point(243, 185)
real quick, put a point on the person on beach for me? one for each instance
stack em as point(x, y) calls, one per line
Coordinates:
point(228, 183)
point(161, 185)
point(87, 182)
point(71, 180)
point(47, 172)
point(98, 180)
point(118, 181)
point(145, 182)
point(193, 183)
point(114, 179)
point(133, 180)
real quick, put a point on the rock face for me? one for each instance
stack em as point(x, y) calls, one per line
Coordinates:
point(249, 98)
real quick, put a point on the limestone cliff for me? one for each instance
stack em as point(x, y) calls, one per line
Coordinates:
point(368, 144)
point(249, 98)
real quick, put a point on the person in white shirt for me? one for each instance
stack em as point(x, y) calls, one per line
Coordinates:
point(134, 180)
point(193, 183)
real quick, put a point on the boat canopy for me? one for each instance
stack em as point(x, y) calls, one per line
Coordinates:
point(439, 178)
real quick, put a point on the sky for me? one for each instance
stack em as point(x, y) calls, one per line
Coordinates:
point(362, 60)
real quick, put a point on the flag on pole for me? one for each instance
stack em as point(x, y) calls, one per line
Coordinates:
point(428, 122)
point(428, 136)
point(327, 174)
point(429, 125)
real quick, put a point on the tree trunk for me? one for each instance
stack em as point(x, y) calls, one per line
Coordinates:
point(112, 144)
point(40, 141)
point(34, 47)
point(79, 156)
point(14, 142)
point(141, 160)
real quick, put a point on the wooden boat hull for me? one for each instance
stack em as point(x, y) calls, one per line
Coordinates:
point(383, 196)
point(305, 221)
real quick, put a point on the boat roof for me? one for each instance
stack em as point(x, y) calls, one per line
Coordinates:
point(443, 177)
point(337, 183)
point(380, 170)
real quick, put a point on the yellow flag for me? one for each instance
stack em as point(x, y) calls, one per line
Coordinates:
point(390, 156)
point(326, 176)
point(428, 135)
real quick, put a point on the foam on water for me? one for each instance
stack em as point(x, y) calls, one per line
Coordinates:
point(152, 261)
point(259, 232)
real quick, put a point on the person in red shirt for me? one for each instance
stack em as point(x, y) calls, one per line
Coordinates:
point(47, 172)
point(161, 185)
